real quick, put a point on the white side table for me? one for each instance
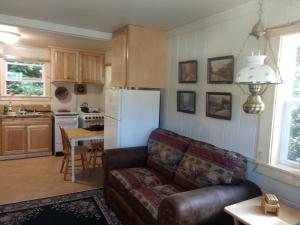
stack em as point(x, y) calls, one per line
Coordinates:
point(249, 212)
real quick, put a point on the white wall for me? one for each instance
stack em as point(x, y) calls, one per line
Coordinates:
point(220, 35)
point(94, 97)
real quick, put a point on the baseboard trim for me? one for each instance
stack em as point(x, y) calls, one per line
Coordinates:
point(25, 156)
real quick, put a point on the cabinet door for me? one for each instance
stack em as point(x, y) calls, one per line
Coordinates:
point(119, 58)
point(13, 140)
point(65, 65)
point(146, 58)
point(92, 68)
point(39, 138)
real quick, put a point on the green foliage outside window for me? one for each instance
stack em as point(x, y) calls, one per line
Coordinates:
point(296, 88)
point(27, 71)
point(294, 140)
point(24, 79)
point(24, 88)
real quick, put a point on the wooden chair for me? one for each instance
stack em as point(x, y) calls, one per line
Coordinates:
point(79, 150)
point(97, 149)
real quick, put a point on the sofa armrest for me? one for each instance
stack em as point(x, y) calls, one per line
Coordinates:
point(124, 158)
point(203, 205)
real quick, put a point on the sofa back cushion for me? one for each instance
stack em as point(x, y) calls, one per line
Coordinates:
point(205, 165)
point(165, 150)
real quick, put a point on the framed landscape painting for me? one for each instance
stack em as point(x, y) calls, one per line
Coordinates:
point(219, 105)
point(220, 70)
point(186, 101)
point(187, 72)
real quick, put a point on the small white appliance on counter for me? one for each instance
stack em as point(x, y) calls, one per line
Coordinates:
point(130, 116)
point(66, 120)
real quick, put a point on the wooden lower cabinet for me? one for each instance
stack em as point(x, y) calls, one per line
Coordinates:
point(25, 136)
point(39, 138)
point(14, 139)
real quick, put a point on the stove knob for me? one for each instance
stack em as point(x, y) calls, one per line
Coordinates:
point(89, 117)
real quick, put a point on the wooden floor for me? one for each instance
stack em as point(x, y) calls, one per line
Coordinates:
point(26, 179)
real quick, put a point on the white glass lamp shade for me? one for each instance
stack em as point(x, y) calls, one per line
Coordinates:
point(256, 72)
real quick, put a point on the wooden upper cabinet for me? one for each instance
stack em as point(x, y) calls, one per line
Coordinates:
point(92, 68)
point(138, 57)
point(119, 58)
point(65, 65)
point(76, 66)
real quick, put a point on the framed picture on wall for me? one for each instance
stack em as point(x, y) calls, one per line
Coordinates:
point(188, 72)
point(186, 101)
point(220, 70)
point(219, 105)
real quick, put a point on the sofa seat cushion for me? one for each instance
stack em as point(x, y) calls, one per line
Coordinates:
point(205, 165)
point(126, 179)
point(146, 200)
point(165, 150)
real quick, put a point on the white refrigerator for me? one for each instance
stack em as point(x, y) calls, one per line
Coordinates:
point(130, 116)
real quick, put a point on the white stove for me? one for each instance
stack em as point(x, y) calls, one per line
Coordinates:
point(88, 117)
point(93, 119)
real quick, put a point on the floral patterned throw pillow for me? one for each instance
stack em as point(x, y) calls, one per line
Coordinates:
point(165, 150)
point(205, 165)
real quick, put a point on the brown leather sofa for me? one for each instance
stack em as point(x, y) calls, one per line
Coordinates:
point(142, 191)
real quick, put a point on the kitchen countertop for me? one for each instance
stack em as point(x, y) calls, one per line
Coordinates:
point(29, 115)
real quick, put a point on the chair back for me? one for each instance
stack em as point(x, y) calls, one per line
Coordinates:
point(97, 145)
point(65, 141)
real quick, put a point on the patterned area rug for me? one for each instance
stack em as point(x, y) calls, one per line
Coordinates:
point(83, 208)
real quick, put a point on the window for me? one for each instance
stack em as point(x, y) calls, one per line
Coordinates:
point(278, 145)
point(288, 102)
point(24, 79)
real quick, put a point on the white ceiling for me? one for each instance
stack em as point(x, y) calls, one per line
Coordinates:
point(87, 24)
point(34, 37)
point(108, 15)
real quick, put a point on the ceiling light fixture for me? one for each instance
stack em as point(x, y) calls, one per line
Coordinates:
point(9, 34)
point(257, 75)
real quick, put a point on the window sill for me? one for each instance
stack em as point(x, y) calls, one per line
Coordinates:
point(280, 172)
point(25, 98)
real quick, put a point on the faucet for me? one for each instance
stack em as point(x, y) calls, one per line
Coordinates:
point(22, 109)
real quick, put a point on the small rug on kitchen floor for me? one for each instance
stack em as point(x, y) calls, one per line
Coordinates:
point(82, 208)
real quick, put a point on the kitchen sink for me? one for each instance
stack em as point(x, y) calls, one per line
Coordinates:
point(24, 114)
point(33, 114)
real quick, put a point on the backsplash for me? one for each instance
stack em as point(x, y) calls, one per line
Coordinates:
point(94, 97)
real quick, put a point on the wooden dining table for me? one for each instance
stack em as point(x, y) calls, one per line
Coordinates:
point(80, 134)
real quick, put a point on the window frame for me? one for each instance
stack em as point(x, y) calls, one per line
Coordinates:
point(290, 105)
point(20, 62)
point(289, 101)
point(268, 153)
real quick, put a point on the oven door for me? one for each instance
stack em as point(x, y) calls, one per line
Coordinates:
point(65, 122)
